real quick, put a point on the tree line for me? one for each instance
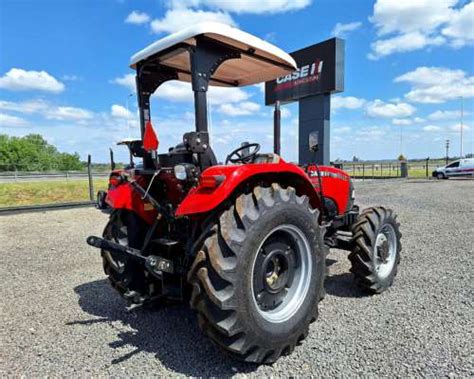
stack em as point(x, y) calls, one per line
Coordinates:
point(33, 153)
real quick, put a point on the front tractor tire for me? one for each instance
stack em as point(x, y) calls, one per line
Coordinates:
point(376, 249)
point(259, 275)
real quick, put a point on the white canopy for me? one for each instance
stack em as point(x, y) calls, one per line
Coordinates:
point(260, 61)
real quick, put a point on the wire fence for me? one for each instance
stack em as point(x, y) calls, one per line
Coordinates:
point(377, 170)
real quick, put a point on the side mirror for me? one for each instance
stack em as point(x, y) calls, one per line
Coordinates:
point(313, 141)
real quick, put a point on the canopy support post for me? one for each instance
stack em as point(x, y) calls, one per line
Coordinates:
point(277, 128)
point(206, 57)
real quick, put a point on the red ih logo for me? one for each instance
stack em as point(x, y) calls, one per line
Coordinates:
point(304, 74)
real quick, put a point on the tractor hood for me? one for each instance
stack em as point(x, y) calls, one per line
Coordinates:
point(259, 60)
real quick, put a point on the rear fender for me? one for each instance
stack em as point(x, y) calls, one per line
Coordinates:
point(235, 178)
point(124, 196)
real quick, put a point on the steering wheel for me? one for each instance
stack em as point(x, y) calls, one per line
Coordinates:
point(243, 154)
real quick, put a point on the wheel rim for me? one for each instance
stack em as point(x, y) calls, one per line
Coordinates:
point(118, 233)
point(281, 273)
point(385, 251)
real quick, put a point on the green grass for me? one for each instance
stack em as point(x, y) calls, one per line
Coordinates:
point(47, 192)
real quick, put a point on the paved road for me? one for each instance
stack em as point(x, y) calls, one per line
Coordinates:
point(60, 317)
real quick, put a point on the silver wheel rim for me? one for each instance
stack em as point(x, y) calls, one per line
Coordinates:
point(117, 264)
point(296, 294)
point(385, 251)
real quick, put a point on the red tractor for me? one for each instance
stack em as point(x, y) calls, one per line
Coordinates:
point(244, 242)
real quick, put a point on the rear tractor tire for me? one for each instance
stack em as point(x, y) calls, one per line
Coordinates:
point(375, 249)
point(258, 278)
point(125, 276)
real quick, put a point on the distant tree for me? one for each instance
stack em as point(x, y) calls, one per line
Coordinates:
point(401, 157)
point(355, 159)
point(34, 153)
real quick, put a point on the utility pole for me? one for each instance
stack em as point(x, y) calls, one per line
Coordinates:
point(447, 151)
point(462, 114)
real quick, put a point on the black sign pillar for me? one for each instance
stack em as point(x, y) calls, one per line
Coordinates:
point(314, 116)
point(320, 73)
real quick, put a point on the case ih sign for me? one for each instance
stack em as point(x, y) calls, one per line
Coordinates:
point(320, 71)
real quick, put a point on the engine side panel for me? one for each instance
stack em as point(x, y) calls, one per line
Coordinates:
point(336, 185)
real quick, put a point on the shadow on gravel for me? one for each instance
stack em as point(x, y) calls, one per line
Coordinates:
point(171, 333)
point(342, 285)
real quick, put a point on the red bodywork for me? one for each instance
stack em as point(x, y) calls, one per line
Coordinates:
point(336, 185)
point(201, 199)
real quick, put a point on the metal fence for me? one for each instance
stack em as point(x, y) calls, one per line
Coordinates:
point(378, 170)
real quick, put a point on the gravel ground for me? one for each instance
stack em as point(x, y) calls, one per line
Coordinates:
point(60, 317)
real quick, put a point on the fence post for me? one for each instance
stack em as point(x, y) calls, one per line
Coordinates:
point(381, 169)
point(373, 171)
point(91, 183)
point(427, 160)
point(398, 169)
point(363, 171)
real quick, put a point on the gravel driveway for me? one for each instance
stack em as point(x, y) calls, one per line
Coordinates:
point(60, 317)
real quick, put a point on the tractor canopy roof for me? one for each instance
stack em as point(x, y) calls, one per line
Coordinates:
point(259, 60)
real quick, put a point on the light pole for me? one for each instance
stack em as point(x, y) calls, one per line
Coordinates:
point(447, 151)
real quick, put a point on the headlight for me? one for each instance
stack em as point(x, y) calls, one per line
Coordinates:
point(180, 172)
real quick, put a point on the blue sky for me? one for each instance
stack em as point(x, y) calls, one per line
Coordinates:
point(64, 73)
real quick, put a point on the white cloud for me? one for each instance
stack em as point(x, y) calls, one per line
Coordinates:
point(457, 127)
point(18, 79)
point(285, 112)
point(137, 18)
point(118, 111)
point(446, 115)
point(403, 43)
point(174, 19)
point(402, 121)
point(378, 108)
point(47, 110)
point(431, 128)
point(8, 121)
point(341, 30)
point(181, 91)
point(434, 85)
point(246, 6)
point(261, 87)
point(461, 26)
point(347, 102)
point(342, 130)
point(176, 91)
point(419, 120)
point(239, 109)
point(67, 113)
point(410, 16)
point(128, 80)
point(70, 78)
point(412, 25)
point(408, 121)
point(28, 106)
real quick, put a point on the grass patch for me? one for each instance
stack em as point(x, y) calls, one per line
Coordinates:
point(47, 192)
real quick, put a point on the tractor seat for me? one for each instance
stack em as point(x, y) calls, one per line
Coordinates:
point(267, 158)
